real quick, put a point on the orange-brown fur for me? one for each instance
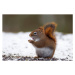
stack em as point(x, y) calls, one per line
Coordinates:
point(46, 35)
point(49, 30)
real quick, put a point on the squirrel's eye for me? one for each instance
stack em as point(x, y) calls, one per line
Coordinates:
point(35, 33)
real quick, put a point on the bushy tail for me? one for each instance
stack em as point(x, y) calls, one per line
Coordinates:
point(49, 29)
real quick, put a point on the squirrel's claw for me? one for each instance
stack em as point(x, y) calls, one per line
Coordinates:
point(30, 41)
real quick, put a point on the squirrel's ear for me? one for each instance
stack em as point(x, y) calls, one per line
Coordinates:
point(41, 28)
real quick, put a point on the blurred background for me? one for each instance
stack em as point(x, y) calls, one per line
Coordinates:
point(26, 22)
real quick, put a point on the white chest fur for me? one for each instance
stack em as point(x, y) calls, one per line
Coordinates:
point(37, 40)
point(44, 52)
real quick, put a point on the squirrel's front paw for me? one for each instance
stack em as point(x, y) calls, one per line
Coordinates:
point(31, 41)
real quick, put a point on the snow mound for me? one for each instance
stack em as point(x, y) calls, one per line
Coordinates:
point(64, 48)
point(16, 44)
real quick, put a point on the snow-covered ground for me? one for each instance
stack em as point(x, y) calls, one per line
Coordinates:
point(16, 44)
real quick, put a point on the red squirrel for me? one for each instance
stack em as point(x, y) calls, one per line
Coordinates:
point(44, 40)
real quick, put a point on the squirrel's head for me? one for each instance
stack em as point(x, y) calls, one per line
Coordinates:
point(37, 34)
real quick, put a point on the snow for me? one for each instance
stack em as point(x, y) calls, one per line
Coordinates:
point(16, 44)
point(64, 47)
